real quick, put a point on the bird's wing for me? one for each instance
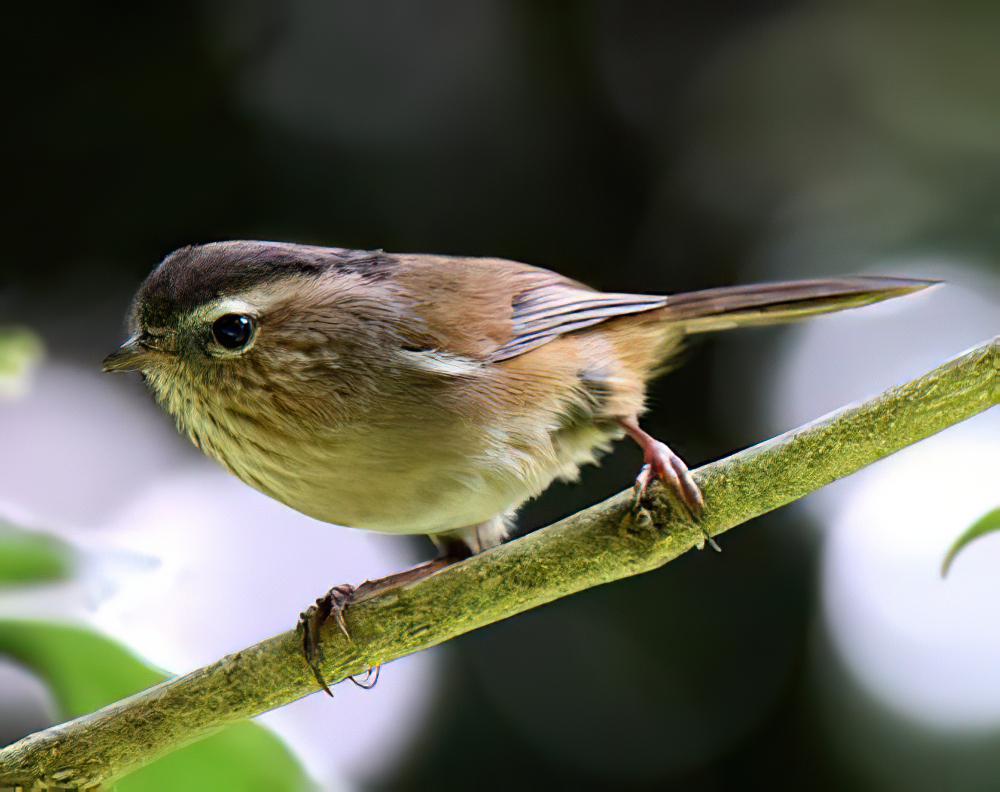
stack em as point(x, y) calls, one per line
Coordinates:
point(495, 310)
point(548, 310)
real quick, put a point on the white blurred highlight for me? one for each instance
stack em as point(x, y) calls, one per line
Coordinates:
point(80, 445)
point(927, 648)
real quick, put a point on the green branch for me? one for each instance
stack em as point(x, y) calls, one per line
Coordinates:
point(598, 545)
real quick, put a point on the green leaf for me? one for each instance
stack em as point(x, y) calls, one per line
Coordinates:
point(988, 523)
point(20, 351)
point(85, 671)
point(32, 557)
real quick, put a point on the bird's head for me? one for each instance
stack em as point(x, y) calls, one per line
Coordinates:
point(249, 321)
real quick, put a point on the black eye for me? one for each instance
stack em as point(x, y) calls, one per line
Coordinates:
point(233, 331)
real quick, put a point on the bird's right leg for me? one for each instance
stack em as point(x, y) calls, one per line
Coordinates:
point(660, 462)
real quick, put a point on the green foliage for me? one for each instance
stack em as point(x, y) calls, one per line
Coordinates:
point(32, 557)
point(242, 758)
point(20, 350)
point(85, 671)
point(987, 524)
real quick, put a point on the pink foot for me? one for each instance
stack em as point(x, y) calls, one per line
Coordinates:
point(663, 464)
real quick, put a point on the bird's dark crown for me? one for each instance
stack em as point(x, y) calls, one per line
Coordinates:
point(197, 274)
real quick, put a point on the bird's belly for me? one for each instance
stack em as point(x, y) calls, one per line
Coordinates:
point(414, 485)
point(420, 496)
point(402, 504)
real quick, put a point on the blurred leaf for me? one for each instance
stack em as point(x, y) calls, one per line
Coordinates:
point(85, 671)
point(988, 523)
point(32, 557)
point(20, 351)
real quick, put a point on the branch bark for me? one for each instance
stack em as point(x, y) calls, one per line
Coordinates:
point(603, 543)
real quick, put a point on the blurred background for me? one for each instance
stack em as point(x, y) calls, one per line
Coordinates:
point(639, 146)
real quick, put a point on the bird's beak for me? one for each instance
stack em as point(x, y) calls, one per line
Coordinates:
point(130, 356)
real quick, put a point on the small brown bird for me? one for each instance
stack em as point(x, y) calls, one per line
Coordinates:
point(419, 394)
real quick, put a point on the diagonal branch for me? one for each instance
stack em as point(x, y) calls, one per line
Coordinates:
point(597, 545)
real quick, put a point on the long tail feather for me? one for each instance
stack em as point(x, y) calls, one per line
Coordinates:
point(773, 303)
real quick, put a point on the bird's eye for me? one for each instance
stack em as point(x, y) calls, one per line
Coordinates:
point(233, 331)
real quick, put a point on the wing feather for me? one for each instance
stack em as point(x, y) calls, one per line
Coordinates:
point(547, 311)
point(494, 310)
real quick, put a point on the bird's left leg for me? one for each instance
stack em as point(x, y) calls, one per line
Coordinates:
point(453, 546)
point(662, 463)
point(336, 600)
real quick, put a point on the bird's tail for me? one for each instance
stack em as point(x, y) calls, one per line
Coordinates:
point(773, 303)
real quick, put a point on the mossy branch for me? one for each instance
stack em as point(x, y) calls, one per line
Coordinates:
point(597, 545)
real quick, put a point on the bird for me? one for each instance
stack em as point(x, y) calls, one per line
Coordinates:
point(423, 394)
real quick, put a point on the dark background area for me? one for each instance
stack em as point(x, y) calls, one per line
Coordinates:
point(639, 146)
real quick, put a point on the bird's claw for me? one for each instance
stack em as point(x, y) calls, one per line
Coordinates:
point(336, 601)
point(368, 682)
point(312, 619)
point(664, 465)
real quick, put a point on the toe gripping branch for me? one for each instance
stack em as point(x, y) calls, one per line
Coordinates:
point(661, 463)
point(336, 601)
point(311, 621)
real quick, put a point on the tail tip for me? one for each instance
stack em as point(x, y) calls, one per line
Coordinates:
point(898, 285)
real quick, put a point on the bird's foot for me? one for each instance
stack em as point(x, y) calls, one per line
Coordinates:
point(335, 603)
point(664, 465)
point(661, 463)
point(312, 619)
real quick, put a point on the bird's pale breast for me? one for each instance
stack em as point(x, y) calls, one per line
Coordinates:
point(403, 465)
